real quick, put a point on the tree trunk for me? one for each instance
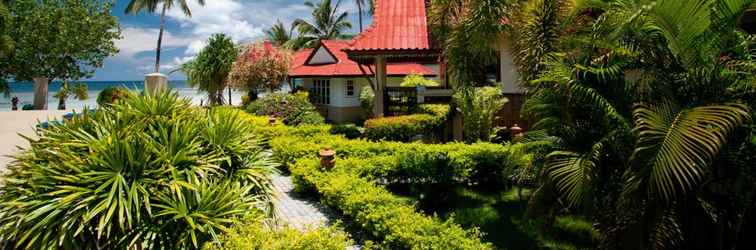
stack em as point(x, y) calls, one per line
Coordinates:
point(160, 40)
point(359, 10)
point(40, 92)
point(230, 101)
point(61, 104)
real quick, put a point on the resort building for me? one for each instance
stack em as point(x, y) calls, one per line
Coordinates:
point(397, 43)
point(335, 81)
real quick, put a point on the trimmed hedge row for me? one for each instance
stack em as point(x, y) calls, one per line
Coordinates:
point(414, 162)
point(383, 215)
point(253, 233)
point(405, 127)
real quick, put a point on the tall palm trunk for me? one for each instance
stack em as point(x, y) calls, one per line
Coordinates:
point(40, 92)
point(359, 12)
point(160, 39)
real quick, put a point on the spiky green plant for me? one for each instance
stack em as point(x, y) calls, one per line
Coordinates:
point(148, 171)
point(647, 101)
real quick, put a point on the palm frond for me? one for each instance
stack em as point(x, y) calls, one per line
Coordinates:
point(679, 144)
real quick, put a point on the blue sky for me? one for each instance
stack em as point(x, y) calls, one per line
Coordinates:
point(243, 20)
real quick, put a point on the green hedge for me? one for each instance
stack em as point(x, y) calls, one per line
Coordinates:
point(415, 162)
point(403, 128)
point(381, 214)
point(252, 233)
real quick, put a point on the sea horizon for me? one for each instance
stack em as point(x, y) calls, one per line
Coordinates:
point(25, 92)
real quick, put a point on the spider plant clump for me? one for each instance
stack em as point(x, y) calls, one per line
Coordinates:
point(147, 172)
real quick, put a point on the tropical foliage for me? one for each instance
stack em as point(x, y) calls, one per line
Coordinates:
point(280, 35)
point(469, 32)
point(644, 105)
point(210, 69)
point(328, 22)
point(415, 79)
point(479, 107)
point(78, 90)
point(149, 171)
point(260, 66)
point(6, 47)
point(60, 40)
point(151, 6)
point(110, 95)
point(292, 109)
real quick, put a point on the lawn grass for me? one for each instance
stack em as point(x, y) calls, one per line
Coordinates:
point(499, 214)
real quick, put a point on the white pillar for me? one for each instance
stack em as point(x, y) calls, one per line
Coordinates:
point(40, 92)
point(154, 82)
point(380, 85)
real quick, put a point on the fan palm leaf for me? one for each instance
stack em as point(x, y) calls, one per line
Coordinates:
point(679, 144)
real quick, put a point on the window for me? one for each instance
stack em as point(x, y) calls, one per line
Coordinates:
point(321, 91)
point(349, 88)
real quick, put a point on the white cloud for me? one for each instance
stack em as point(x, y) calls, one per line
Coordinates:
point(136, 40)
point(242, 20)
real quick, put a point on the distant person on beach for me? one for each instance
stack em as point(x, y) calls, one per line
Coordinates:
point(14, 101)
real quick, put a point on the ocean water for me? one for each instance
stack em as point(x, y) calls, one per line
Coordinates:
point(25, 92)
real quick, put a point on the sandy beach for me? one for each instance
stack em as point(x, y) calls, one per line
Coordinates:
point(14, 122)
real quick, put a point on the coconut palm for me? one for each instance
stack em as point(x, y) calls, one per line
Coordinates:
point(280, 35)
point(327, 23)
point(648, 101)
point(136, 6)
point(209, 70)
point(363, 5)
point(79, 91)
point(465, 30)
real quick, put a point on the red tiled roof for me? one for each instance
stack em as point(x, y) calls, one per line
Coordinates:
point(397, 25)
point(345, 67)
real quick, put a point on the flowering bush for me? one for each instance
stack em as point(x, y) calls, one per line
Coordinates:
point(293, 109)
point(260, 65)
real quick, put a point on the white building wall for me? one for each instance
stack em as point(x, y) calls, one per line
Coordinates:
point(338, 89)
point(510, 78)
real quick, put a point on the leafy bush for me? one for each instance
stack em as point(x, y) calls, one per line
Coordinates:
point(252, 233)
point(396, 162)
point(148, 170)
point(112, 94)
point(367, 98)
point(293, 109)
point(350, 131)
point(406, 127)
point(415, 79)
point(479, 107)
point(383, 215)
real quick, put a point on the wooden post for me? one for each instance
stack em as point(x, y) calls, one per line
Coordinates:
point(380, 86)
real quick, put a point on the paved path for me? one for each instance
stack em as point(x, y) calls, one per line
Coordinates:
point(296, 211)
point(14, 122)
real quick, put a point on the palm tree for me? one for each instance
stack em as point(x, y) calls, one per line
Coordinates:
point(136, 6)
point(280, 35)
point(328, 23)
point(361, 4)
point(645, 100)
point(209, 71)
point(79, 91)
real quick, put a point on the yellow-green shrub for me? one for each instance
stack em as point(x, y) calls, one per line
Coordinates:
point(253, 234)
point(382, 215)
point(395, 161)
point(405, 127)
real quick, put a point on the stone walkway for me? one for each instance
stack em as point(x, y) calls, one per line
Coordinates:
point(298, 212)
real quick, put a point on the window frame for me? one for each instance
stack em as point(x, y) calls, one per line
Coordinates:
point(347, 84)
